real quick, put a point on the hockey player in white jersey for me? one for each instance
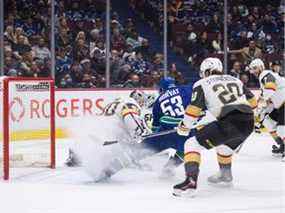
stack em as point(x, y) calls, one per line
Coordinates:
point(273, 93)
point(231, 103)
point(107, 147)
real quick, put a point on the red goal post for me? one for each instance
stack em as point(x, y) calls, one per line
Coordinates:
point(23, 89)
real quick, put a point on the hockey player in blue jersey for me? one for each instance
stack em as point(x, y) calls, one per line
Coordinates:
point(168, 111)
point(169, 107)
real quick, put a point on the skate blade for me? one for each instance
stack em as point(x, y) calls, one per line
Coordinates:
point(221, 184)
point(190, 193)
point(277, 155)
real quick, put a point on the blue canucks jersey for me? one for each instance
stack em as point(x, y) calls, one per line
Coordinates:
point(169, 107)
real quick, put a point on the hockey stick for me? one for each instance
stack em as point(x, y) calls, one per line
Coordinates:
point(152, 135)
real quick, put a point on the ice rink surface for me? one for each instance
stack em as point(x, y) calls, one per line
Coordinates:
point(259, 187)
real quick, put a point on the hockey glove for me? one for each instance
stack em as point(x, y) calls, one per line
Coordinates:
point(182, 129)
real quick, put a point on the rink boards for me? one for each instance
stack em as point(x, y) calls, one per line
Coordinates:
point(70, 106)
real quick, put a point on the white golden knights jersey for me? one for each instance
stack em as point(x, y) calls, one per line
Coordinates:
point(219, 94)
point(129, 114)
point(273, 87)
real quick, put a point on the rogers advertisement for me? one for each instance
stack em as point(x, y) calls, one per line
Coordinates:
point(33, 111)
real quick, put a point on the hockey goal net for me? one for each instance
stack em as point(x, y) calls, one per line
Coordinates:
point(27, 124)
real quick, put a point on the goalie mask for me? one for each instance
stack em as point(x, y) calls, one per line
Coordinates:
point(139, 96)
point(210, 66)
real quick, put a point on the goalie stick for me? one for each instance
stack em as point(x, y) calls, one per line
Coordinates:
point(152, 135)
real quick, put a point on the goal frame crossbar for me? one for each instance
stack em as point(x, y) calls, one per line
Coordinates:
point(6, 125)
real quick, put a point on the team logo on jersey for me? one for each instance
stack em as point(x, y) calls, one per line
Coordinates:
point(194, 96)
point(17, 109)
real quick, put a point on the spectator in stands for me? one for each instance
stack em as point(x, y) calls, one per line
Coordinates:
point(80, 50)
point(204, 46)
point(30, 28)
point(254, 33)
point(268, 45)
point(41, 51)
point(10, 64)
point(9, 35)
point(19, 32)
point(76, 74)
point(268, 25)
point(145, 50)
point(26, 65)
point(152, 80)
point(249, 53)
point(81, 35)
point(256, 13)
point(245, 79)
point(217, 43)
point(124, 72)
point(98, 25)
point(191, 41)
point(88, 81)
point(44, 67)
point(34, 70)
point(236, 70)
point(22, 46)
point(66, 82)
point(116, 62)
point(240, 41)
point(86, 66)
point(275, 67)
point(176, 74)
point(115, 24)
point(175, 6)
point(118, 40)
point(64, 37)
point(99, 50)
point(133, 81)
point(215, 25)
point(62, 60)
point(157, 64)
point(138, 64)
point(134, 40)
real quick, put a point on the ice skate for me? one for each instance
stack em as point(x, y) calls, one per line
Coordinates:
point(278, 150)
point(222, 178)
point(185, 189)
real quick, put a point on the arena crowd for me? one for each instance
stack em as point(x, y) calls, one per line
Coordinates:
point(195, 31)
